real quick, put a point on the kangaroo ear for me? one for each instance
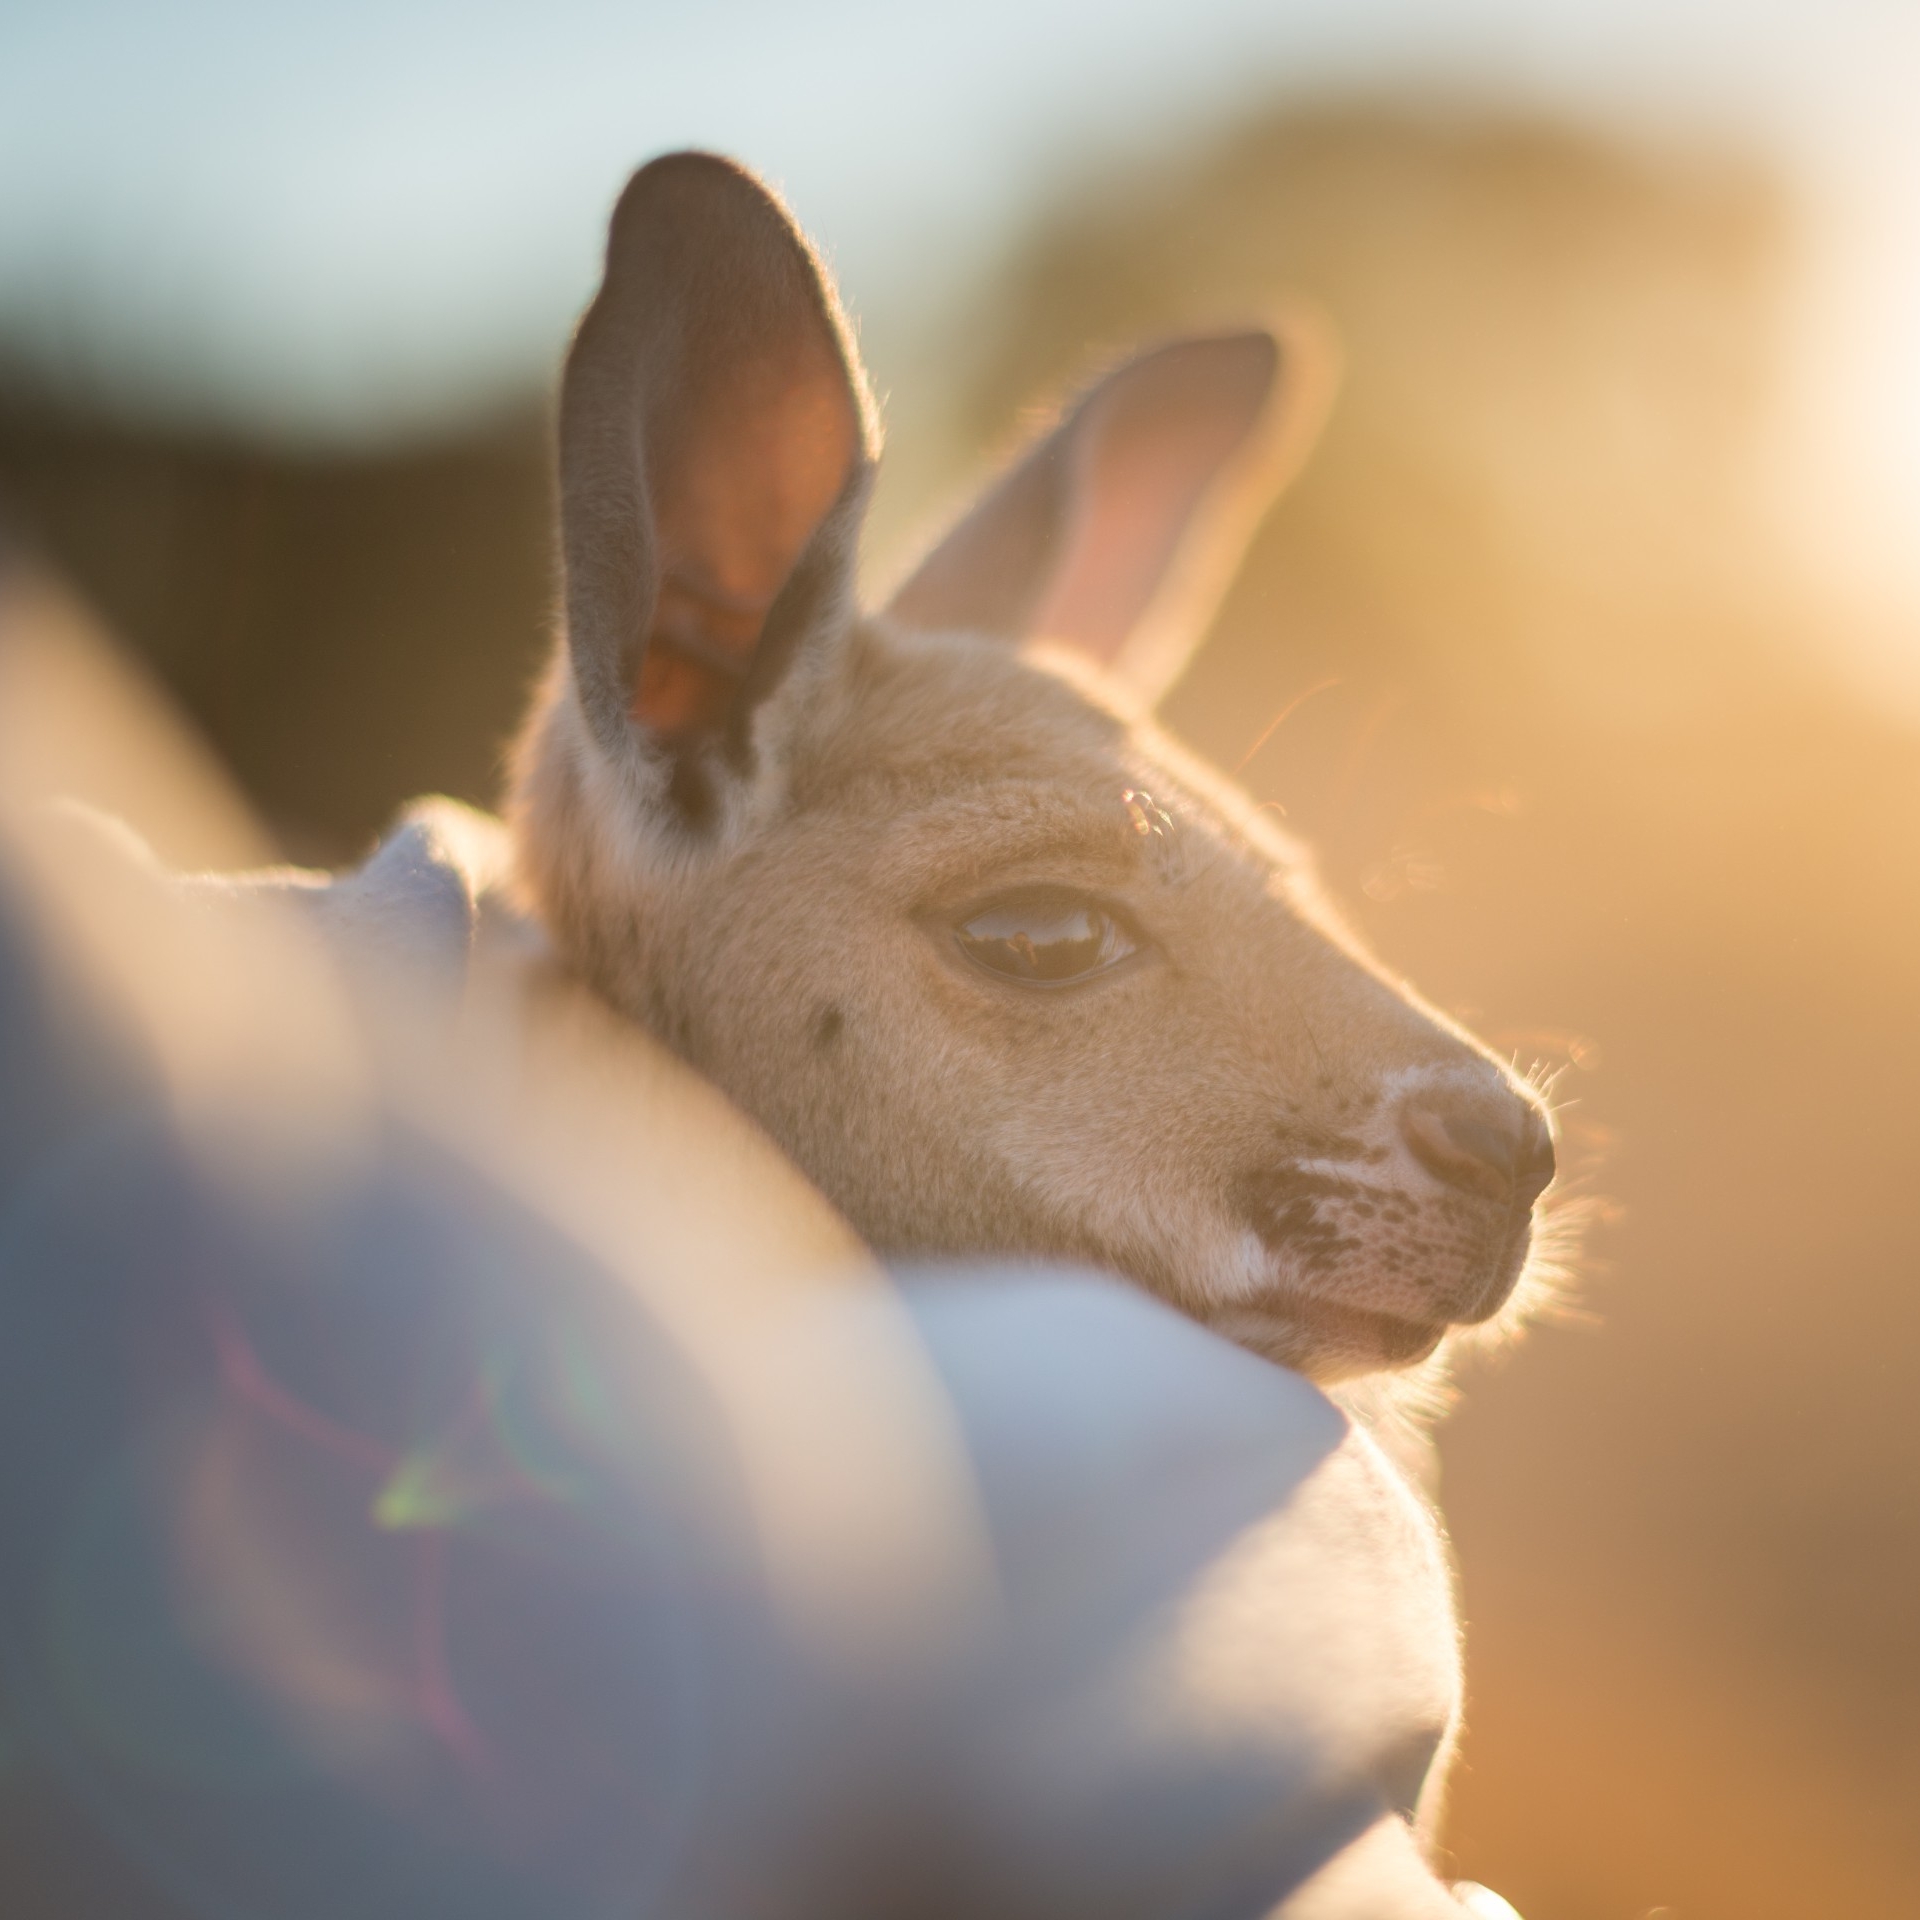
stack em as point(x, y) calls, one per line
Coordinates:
point(716, 438)
point(1118, 529)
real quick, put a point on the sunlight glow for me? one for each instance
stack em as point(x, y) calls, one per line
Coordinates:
point(1846, 454)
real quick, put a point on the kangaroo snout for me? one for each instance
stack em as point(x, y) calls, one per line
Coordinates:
point(1415, 1217)
point(1482, 1140)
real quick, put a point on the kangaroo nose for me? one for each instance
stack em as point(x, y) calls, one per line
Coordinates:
point(1485, 1142)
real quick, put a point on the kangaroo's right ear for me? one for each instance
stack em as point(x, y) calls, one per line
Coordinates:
point(1115, 531)
point(716, 439)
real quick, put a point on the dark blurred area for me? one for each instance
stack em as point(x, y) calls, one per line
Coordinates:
point(1557, 716)
point(347, 629)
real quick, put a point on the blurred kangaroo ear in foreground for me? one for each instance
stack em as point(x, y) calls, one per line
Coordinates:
point(716, 435)
point(1118, 529)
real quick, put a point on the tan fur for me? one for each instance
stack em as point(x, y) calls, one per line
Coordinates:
point(1223, 1118)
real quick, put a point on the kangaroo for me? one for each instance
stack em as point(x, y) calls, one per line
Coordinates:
point(924, 890)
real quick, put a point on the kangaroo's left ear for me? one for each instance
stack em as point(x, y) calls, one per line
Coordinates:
point(716, 439)
point(1117, 531)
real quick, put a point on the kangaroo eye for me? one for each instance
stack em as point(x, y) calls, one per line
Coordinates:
point(1046, 940)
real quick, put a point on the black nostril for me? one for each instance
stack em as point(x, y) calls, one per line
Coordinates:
point(1491, 1144)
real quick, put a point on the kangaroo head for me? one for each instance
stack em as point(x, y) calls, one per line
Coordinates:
point(925, 891)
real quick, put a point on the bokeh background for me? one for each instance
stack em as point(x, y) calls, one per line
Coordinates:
point(1595, 623)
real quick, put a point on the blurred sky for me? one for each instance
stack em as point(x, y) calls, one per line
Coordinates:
point(352, 218)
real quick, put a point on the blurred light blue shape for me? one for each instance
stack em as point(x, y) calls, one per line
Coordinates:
point(383, 1555)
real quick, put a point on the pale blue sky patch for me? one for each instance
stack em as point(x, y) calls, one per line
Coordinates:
point(362, 218)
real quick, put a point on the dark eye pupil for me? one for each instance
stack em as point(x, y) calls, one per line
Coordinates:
point(1043, 943)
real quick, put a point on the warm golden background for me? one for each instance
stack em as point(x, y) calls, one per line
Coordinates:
point(1592, 657)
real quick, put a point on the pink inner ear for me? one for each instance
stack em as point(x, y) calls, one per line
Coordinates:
point(755, 466)
point(1155, 442)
